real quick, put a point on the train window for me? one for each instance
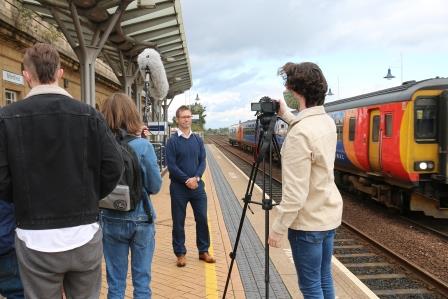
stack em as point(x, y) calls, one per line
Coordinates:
point(351, 128)
point(376, 128)
point(425, 119)
point(388, 124)
point(339, 130)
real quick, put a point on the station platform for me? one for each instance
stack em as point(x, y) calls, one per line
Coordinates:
point(225, 186)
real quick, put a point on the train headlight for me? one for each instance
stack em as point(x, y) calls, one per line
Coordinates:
point(424, 165)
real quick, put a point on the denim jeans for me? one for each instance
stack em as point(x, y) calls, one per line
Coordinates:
point(312, 252)
point(180, 196)
point(10, 283)
point(120, 235)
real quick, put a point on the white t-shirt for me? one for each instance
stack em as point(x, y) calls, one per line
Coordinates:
point(58, 239)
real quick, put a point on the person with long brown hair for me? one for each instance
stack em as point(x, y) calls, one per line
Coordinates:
point(133, 230)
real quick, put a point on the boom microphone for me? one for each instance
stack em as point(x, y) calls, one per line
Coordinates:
point(149, 62)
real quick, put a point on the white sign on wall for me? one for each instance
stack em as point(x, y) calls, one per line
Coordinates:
point(14, 78)
point(158, 127)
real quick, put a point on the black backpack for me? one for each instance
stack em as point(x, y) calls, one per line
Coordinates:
point(128, 191)
point(131, 175)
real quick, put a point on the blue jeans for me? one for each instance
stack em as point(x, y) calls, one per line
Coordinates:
point(120, 235)
point(312, 252)
point(180, 196)
point(10, 283)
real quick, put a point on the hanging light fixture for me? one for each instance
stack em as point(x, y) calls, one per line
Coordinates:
point(389, 75)
point(329, 92)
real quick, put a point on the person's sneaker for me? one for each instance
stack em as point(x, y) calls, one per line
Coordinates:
point(206, 257)
point(181, 261)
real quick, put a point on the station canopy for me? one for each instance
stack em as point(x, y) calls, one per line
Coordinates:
point(117, 31)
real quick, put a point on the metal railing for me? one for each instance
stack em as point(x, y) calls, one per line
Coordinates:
point(159, 148)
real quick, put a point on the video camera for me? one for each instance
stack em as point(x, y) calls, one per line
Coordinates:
point(266, 105)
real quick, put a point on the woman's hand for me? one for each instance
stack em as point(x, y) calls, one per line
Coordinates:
point(275, 239)
point(283, 107)
point(144, 132)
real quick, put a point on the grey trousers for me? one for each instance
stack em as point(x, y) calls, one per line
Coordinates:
point(78, 271)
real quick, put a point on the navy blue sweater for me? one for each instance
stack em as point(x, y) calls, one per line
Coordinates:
point(7, 226)
point(185, 157)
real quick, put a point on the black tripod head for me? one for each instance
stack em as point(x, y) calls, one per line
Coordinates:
point(266, 133)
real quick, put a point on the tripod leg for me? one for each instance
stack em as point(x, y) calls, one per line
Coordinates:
point(247, 200)
point(235, 247)
point(266, 252)
point(277, 149)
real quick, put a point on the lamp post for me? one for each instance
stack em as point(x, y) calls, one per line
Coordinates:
point(389, 75)
point(331, 93)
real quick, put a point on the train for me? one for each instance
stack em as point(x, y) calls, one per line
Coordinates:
point(245, 136)
point(392, 145)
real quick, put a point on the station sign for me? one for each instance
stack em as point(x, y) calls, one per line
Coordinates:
point(14, 78)
point(195, 118)
point(158, 127)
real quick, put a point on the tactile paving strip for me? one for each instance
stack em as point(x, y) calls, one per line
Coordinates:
point(250, 253)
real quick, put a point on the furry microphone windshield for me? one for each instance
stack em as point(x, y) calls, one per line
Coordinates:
point(150, 60)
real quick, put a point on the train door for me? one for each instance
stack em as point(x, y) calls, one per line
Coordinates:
point(374, 141)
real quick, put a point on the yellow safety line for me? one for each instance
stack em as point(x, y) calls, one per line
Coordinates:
point(211, 284)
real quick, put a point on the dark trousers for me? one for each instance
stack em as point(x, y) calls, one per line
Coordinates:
point(10, 284)
point(180, 197)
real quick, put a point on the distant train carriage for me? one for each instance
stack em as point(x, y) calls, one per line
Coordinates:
point(248, 139)
point(245, 135)
point(392, 145)
point(233, 134)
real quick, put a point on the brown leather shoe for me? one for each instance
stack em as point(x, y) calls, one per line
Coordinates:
point(206, 257)
point(181, 261)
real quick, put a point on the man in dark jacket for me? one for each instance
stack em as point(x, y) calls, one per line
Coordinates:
point(10, 284)
point(57, 160)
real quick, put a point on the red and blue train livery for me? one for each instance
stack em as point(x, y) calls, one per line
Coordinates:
point(392, 144)
point(245, 136)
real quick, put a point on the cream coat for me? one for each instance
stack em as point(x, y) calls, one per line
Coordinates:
point(311, 200)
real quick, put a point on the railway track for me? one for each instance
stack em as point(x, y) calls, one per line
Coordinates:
point(436, 226)
point(387, 273)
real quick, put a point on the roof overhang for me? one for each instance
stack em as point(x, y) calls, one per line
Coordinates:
point(143, 24)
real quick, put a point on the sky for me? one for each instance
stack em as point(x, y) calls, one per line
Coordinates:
point(237, 46)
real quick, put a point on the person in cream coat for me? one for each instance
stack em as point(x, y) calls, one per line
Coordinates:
point(311, 206)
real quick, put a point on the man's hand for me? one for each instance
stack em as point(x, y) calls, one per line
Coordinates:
point(275, 239)
point(192, 183)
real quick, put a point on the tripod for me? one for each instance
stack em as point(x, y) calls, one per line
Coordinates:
point(266, 142)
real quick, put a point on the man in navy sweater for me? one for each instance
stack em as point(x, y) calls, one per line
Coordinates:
point(10, 283)
point(185, 155)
